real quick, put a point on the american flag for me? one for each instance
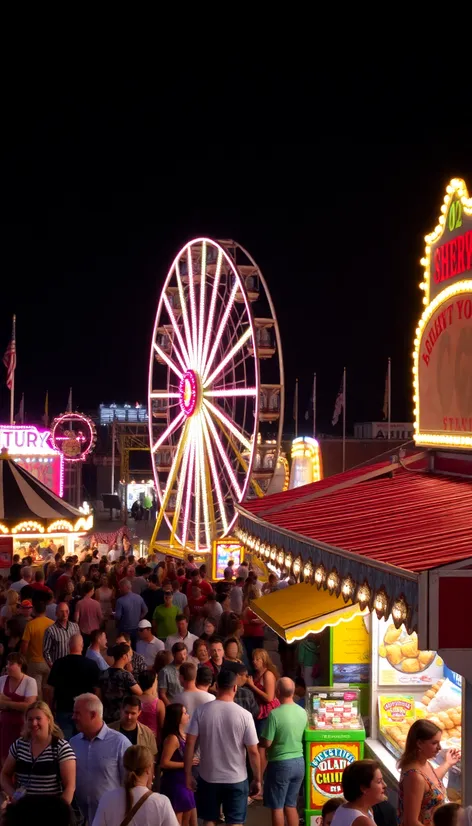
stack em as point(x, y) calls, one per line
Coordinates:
point(338, 405)
point(9, 359)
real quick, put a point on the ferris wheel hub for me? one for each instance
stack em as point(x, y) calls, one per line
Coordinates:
point(190, 393)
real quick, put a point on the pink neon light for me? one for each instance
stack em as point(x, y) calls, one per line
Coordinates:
point(197, 495)
point(211, 313)
point(229, 424)
point(229, 356)
point(176, 328)
point(223, 455)
point(188, 388)
point(193, 305)
point(183, 305)
point(211, 459)
point(231, 391)
point(57, 439)
point(169, 430)
point(206, 517)
point(167, 360)
point(164, 395)
point(221, 329)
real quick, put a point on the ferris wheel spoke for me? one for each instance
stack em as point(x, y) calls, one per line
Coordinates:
point(229, 356)
point(223, 454)
point(201, 318)
point(167, 360)
point(206, 367)
point(197, 493)
point(228, 423)
point(183, 305)
point(193, 306)
point(174, 468)
point(178, 504)
point(173, 425)
point(227, 392)
point(211, 312)
point(214, 475)
point(188, 489)
point(176, 330)
point(203, 484)
point(157, 394)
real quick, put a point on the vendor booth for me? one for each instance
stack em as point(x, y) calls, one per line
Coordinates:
point(31, 515)
point(395, 538)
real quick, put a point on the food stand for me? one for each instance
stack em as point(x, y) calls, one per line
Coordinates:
point(31, 513)
point(395, 536)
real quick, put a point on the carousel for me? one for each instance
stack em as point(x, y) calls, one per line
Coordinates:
point(31, 515)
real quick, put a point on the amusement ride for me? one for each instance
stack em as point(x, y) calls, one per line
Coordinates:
point(216, 392)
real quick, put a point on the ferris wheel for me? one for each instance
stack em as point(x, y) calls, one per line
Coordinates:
point(216, 391)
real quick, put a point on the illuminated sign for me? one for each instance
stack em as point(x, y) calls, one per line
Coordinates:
point(223, 551)
point(442, 367)
point(31, 441)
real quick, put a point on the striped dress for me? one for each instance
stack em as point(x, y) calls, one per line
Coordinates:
point(40, 775)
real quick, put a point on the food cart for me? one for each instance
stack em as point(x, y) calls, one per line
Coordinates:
point(395, 536)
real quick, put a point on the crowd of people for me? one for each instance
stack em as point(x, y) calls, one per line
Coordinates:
point(136, 691)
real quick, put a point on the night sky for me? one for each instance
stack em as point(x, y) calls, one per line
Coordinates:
point(99, 192)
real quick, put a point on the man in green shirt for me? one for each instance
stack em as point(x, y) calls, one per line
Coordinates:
point(164, 616)
point(282, 736)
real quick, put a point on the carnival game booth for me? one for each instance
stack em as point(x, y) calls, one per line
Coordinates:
point(30, 513)
point(387, 546)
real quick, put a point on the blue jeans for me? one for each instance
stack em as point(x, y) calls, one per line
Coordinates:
point(282, 782)
point(65, 722)
point(232, 797)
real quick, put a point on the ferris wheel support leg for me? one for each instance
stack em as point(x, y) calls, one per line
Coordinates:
point(258, 490)
point(170, 484)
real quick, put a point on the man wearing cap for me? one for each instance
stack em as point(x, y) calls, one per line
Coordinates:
point(148, 645)
point(168, 677)
point(23, 617)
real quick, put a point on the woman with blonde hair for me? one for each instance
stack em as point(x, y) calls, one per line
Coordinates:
point(263, 686)
point(135, 803)
point(10, 608)
point(421, 790)
point(40, 761)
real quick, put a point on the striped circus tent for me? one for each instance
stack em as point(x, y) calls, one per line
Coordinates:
point(28, 506)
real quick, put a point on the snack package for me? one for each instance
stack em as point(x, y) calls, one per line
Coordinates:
point(394, 709)
point(448, 696)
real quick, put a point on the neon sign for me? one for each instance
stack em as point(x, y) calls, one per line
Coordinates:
point(26, 440)
point(73, 444)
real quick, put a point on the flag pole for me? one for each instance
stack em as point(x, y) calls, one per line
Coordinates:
point(314, 405)
point(344, 420)
point(12, 388)
point(389, 393)
point(296, 408)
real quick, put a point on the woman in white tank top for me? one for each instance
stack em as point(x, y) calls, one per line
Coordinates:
point(363, 787)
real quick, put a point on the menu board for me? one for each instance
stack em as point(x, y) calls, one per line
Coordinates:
point(400, 660)
point(351, 651)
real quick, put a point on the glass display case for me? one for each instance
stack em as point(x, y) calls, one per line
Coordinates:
point(334, 738)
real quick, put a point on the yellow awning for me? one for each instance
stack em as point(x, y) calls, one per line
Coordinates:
point(299, 610)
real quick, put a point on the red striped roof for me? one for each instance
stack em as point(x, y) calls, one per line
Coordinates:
point(412, 519)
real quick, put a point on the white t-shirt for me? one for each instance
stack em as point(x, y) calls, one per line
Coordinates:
point(236, 600)
point(148, 650)
point(17, 586)
point(114, 555)
point(243, 571)
point(27, 688)
point(224, 729)
point(192, 700)
point(188, 641)
point(344, 816)
point(156, 811)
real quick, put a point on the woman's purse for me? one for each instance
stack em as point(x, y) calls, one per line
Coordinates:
point(135, 808)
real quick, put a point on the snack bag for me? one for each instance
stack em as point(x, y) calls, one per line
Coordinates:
point(394, 709)
point(448, 696)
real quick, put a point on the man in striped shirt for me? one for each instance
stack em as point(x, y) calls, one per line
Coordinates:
point(57, 636)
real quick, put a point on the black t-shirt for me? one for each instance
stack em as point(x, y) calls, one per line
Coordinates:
point(131, 735)
point(15, 572)
point(152, 599)
point(70, 676)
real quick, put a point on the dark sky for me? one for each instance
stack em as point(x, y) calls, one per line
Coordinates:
point(99, 190)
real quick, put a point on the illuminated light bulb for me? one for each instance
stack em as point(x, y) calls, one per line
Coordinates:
point(444, 207)
point(449, 189)
point(428, 249)
point(425, 300)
